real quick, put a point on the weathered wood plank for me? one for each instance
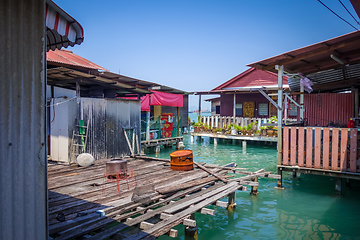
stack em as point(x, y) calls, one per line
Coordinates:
point(286, 146)
point(317, 150)
point(301, 149)
point(343, 153)
point(211, 172)
point(309, 147)
point(326, 148)
point(335, 149)
point(293, 146)
point(353, 149)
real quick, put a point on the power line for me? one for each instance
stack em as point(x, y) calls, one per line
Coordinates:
point(336, 14)
point(349, 12)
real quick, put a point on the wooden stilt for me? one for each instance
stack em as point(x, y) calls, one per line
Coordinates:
point(279, 183)
point(191, 231)
point(231, 201)
point(254, 189)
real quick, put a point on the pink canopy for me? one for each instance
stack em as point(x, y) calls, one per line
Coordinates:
point(166, 99)
point(159, 99)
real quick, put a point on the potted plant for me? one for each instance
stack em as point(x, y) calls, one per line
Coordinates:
point(249, 130)
point(215, 130)
point(270, 131)
point(258, 132)
point(243, 130)
point(263, 130)
point(275, 132)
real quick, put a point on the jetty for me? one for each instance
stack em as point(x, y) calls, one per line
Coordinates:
point(84, 202)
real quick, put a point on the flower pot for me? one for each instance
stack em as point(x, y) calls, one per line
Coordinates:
point(270, 132)
point(196, 129)
point(263, 132)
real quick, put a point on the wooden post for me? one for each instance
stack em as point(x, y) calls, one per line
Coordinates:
point(355, 93)
point(279, 183)
point(191, 231)
point(231, 201)
point(301, 102)
point(254, 189)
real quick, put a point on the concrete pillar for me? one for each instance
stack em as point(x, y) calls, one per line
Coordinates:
point(215, 141)
point(191, 138)
point(216, 121)
point(279, 182)
point(212, 121)
point(244, 145)
point(180, 146)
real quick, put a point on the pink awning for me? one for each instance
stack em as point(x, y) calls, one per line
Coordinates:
point(62, 29)
point(166, 99)
point(145, 103)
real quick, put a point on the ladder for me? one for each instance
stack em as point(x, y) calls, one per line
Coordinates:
point(79, 139)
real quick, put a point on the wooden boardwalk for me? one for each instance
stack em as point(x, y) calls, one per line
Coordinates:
point(81, 205)
point(161, 141)
point(236, 137)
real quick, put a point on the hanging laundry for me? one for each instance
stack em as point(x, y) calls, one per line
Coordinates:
point(306, 83)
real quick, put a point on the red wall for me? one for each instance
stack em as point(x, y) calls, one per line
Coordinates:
point(323, 108)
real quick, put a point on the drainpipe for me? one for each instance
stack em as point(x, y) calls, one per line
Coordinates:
point(279, 117)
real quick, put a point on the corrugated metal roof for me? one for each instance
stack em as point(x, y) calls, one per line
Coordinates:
point(23, 166)
point(62, 29)
point(330, 80)
point(68, 58)
point(316, 57)
point(250, 78)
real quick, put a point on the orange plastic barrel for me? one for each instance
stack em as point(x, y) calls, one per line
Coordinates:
point(181, 160)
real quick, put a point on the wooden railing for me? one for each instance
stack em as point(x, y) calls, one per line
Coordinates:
point(221, 121)
point(321, 148)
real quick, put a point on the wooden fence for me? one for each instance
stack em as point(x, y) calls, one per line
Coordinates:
point(220, 122)
point(321, 148)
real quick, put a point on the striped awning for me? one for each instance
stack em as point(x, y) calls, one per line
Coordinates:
point(62, 29)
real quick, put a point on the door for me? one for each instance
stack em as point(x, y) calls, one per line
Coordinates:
point(248, 109)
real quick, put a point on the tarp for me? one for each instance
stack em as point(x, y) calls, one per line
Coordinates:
point(166, 99)
point(159, 99)
point(145, 103)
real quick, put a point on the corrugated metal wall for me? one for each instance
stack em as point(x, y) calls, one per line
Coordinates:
point(23, 184)
point(106, 138)
point(323, 108)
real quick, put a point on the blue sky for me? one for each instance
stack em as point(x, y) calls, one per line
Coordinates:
point(199, 44)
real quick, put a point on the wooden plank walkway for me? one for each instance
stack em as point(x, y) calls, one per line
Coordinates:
point(81, 205)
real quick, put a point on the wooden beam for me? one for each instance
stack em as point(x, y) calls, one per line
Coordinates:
point(313, 53)
point(211, 172)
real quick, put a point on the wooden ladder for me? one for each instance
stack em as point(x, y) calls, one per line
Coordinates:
point(79, 139)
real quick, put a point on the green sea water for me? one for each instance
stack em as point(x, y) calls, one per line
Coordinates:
point(308, 207)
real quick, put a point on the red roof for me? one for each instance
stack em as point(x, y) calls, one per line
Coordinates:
point(251, 78)
point(68, 58)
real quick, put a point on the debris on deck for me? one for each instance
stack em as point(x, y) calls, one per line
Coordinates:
point(82, 202)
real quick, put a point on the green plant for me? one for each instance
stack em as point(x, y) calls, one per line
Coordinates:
point(263, 128)
point(218, 129)
point(273, 119)
point(258, 131)
point(249, 127)
point(229, 127)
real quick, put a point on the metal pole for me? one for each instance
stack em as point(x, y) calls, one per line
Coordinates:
point(234, 110)
point(301, 102)
point(147, 126)
point(199, 106)
point(279, 118)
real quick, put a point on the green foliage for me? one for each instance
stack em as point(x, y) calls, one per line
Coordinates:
point(249, 127)
point(273, 119)
point(263, 127)
point(218, 129)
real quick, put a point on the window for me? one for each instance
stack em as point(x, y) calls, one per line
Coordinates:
point(218, 109)
point(238, 109)
point(293, 110)
point(263, 109)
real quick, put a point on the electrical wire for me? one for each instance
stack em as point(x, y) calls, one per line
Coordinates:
point(337, 14)
point(349, 13)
